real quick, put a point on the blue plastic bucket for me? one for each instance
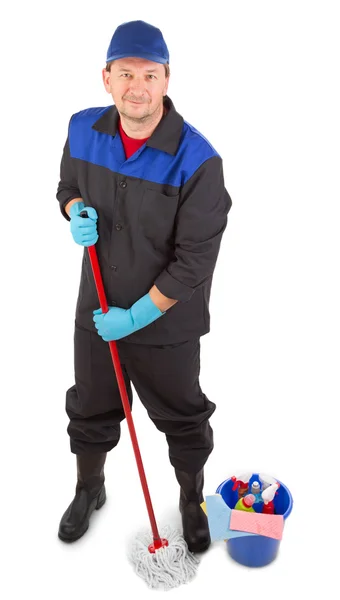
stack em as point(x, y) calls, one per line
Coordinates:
point(255, 550)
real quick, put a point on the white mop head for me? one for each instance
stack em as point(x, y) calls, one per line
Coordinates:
point(168, 567)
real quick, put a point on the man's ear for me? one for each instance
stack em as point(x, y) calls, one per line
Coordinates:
point(166, 87)
point(106, 75)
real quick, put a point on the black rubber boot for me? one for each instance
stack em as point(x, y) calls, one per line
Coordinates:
point(194, 520)
point(90, 495)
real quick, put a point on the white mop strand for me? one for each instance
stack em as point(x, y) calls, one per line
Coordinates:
point(168, 567)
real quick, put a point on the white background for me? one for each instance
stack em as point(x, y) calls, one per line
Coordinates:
point(260, 80)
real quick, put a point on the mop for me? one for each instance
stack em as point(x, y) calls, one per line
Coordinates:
point(162, 562)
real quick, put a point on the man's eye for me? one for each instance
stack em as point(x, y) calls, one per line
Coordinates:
point(128, 74)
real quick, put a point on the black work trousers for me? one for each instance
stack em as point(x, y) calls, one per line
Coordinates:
point(166, 379)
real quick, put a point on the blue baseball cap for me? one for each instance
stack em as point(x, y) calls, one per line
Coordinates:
point(138, 39)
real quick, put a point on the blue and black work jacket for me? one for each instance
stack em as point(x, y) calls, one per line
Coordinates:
point(161, 216)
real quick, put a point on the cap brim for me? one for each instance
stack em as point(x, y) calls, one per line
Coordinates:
point(152, 57)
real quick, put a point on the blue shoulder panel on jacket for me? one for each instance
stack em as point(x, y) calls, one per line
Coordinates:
point(147, 163)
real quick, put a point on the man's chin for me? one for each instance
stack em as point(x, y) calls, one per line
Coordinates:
point(129, 111)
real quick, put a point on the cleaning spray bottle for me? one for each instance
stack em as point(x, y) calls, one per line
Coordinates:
point(246, 503)
point(266, 481)
point(242, 483)
point(268, 496)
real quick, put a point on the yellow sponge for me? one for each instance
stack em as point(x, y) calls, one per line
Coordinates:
point(204, 507)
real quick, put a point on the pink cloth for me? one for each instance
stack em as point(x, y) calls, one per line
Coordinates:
point(267, 525)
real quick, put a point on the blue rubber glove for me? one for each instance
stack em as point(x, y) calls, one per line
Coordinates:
point(84, 230)
point(120, 322)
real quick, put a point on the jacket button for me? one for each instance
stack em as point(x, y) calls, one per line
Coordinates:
point(113, 267)
point(123, 184)
point(119, 227)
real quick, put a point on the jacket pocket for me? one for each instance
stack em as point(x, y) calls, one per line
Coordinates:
point(157, 217)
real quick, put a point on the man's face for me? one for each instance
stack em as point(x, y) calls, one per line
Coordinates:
point(137, 87)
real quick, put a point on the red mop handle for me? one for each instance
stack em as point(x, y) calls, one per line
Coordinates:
point(158, 542)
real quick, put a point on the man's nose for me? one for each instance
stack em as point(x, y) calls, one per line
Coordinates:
point(137, 84)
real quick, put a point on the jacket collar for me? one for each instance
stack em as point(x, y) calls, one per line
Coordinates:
point(166, 136)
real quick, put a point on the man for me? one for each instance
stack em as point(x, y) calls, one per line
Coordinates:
point(157, 208)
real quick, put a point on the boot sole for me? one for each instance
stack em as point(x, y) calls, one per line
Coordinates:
point(192, 548)
point(100, 503)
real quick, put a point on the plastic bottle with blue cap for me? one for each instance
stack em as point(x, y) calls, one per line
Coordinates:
point(256, 490)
